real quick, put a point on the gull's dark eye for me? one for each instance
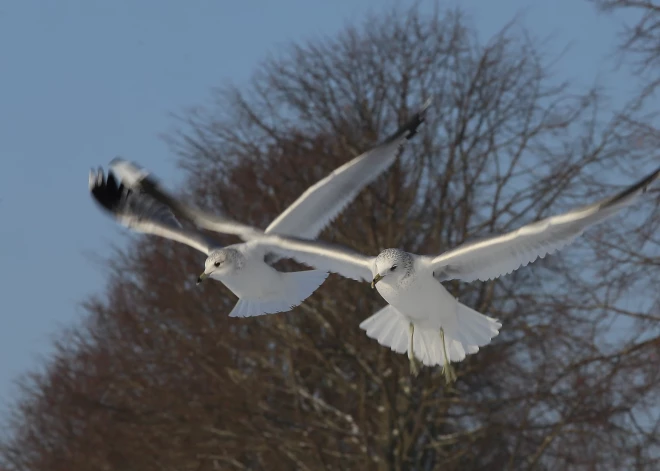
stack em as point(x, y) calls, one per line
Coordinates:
point(217, 264)
point(393, 268)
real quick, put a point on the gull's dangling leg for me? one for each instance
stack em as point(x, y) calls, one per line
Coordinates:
point(414, 370)
point(447, 369)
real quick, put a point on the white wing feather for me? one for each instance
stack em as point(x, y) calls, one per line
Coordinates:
point(500, 255)
point(322, 202)
point(312, 211)
point(128, 172)
point(320, 255)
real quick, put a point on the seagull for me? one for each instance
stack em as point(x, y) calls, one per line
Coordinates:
point(245, 267)
point(422, 318)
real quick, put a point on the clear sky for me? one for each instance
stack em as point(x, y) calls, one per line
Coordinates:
point(83, 81)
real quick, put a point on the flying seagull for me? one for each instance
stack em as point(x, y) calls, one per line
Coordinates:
point(422, 318)
point(244, 268)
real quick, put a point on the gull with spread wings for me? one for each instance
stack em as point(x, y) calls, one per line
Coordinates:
point(422, 318)
point(244, 268)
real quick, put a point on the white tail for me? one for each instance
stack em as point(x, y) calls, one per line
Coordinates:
point(391, 329)
point(293, 289)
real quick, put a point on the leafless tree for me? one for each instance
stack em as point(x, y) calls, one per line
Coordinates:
point(639, 46)
point(641, 41)
point(159, 377)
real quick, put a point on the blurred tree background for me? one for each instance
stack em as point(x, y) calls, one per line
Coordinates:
point(159, 378)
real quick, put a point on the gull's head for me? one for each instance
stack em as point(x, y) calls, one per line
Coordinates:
point(220, 262)
point(391, 266)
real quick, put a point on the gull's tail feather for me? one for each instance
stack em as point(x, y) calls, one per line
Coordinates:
point(473, 330)
point(295, 288)
point(389, 327)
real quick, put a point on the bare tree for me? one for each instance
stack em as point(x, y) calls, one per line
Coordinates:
point(159, 377)
point(640, 46)
point(641, 41)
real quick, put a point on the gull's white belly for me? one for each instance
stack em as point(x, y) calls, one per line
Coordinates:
point(256, 279)
point(425, 302)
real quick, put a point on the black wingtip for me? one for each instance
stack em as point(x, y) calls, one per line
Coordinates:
point(107, 192)
point(634, 188)
point(651, 178)
point(409, 129)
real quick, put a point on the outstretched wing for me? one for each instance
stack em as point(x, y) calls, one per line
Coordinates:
point(320, 255)
point(500, 255)
point(140, 212)
point(310, 213)
point(323, 201)
point(147, 183)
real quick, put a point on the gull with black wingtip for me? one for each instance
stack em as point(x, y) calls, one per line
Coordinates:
point(245, 267)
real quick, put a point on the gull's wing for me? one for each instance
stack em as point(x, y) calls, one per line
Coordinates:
point(312, 211)
point(323, 201)
point(500, 255)
point(146, 182)
point(140, 212)
point(320, 255)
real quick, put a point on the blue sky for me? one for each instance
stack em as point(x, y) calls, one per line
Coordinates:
point(83, 81)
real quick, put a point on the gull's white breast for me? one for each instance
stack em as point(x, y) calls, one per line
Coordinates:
point(423, 300)
point(256, 279)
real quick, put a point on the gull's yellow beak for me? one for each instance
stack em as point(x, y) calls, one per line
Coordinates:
point(202, 277)
point(376, 279)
